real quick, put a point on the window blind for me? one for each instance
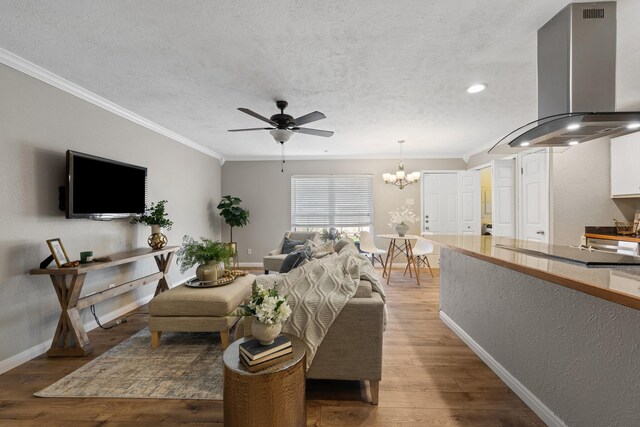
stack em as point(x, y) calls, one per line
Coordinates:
point(331, 200)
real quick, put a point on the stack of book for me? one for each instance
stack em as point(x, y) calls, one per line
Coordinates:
point(255, 356)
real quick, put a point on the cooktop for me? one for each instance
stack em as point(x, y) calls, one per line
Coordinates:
point(578, 254)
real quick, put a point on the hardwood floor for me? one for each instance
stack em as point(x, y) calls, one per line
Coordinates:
point(430, 377)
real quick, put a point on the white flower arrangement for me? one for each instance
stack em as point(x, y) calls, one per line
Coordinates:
point(402, 215)
point(266, 306)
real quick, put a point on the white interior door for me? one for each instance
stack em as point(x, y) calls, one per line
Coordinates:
point(503, 194)
point(534, 196)
point(470, 202)
point(440, 203)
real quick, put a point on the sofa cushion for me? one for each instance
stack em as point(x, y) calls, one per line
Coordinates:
point(293, 260)
point(289, 245)
point(273, 262)
point(364, 289)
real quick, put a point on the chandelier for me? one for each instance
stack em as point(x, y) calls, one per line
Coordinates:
point(399, 178)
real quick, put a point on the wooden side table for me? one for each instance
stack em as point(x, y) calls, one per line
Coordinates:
point(272, 397)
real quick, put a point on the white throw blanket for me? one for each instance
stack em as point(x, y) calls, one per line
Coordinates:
point(317, 292)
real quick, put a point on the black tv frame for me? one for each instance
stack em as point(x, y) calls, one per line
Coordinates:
point(68, 190)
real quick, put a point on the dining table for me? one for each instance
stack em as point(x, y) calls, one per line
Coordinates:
point(400, 245)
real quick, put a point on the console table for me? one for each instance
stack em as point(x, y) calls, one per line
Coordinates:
point(70, 337)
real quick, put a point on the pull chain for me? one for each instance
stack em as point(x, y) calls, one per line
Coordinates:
point(282, 156)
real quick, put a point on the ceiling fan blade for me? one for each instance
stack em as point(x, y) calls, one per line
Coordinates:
point(244, 130)
point(316, 132)
point(308, 118)
point(257, 116)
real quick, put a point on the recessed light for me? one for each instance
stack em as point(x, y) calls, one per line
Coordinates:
point(476, 88)
point(634, 125)
point(525, 144)
point(574, 142)
point(573, 126)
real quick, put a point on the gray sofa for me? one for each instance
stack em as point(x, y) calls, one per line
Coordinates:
point(275, 257)
point(352, 348)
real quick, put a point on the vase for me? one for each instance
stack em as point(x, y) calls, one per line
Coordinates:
point(210, 272)
point(265, 333)
point(401, 229)
point(157, 240)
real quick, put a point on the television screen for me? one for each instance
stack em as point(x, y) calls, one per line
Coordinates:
point(102, 188)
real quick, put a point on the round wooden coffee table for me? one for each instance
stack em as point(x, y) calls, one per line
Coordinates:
point(272, 397)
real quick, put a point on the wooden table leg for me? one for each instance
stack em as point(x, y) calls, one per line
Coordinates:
point(164, 263)
point(70, 338)
point(386, 261)
point(411, 259)
point(390, 259)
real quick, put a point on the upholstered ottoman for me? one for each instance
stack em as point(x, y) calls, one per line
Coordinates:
point(185, 309)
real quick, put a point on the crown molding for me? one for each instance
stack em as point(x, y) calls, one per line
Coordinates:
point(454, 156)
point(14, 61)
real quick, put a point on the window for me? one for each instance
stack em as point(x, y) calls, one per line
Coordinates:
point(323, 201)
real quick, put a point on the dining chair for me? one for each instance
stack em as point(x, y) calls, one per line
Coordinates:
point(369, 246)
point(421, 250)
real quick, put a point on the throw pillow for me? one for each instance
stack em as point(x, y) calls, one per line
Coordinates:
point(342, 243)
point(324, 250)
point(289, 245)
point(293, 260)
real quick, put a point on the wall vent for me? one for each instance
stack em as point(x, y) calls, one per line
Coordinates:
point(592, 13)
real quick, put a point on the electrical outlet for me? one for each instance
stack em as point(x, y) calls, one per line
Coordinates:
point(248, 251)
point(409, 202)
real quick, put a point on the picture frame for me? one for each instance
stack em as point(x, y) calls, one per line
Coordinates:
point(57, 250)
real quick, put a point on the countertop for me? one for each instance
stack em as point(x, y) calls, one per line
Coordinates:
point(609, 233)
point(620, 285)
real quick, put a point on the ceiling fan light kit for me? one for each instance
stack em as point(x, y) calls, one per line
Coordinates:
point(284, 125)
point(400, 178)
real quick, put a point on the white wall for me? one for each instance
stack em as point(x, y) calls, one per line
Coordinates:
point(38, 123)
point(266, 192)
point(581, 192)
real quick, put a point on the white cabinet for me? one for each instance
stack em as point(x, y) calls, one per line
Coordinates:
point(625, 173)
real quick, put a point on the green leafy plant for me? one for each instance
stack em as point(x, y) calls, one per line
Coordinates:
point(233, 214)
point(195, 252)
point(155, 215)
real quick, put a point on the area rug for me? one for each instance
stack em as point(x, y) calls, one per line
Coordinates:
point(185, 366)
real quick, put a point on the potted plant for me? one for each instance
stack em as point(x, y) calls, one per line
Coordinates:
point(157, 217)
point(209, 255)
point(399, 218)
point(269, 311)
point(233, 214)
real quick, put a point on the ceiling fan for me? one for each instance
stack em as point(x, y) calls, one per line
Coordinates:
point(284, 125)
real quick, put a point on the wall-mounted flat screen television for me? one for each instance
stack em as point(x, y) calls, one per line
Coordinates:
point(100, 188)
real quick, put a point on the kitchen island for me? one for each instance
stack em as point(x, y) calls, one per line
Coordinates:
point(564, 337)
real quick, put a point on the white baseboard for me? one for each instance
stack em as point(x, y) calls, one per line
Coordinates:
point(250, 264)
point(37, 350)
point(512, 382)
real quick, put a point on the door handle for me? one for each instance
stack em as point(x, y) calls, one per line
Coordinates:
point(541, 232)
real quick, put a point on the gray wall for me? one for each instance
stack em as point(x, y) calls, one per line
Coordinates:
point(576, 353)
point(581, 191)
point(266, 192)
point(38, 123)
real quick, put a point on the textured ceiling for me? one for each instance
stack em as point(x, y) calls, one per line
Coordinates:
point(379, 70)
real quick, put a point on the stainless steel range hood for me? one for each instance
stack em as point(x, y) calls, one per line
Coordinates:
point(576, 82)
